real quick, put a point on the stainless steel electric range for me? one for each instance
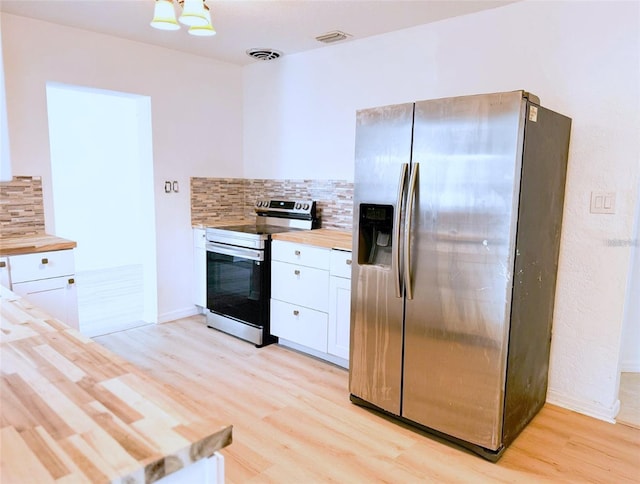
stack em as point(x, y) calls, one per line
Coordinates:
point(239, 268)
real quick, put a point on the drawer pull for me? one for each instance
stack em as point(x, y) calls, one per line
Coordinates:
point(72, 281)
point(45, 260)
point(297, 252)
point(296, 312)
point(348, 262)
point(3, 264)
point(296, 272)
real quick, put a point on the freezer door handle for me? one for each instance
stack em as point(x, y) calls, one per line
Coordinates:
point(395, 246)
point(407, 233)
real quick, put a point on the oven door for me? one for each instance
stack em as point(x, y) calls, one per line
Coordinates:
point(237, 283)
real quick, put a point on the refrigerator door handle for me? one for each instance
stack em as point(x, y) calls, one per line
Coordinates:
point(395, 246)
point(407, 233)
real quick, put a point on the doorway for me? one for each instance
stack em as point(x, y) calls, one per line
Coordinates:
point(102, 179)
point(629, 387)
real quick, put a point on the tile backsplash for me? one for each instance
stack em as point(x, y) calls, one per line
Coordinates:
point(215, 199)
point(21, 207)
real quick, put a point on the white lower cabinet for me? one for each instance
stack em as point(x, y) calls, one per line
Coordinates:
point(47, 280)
point(4, 273)
point(303, 286)
point(339, 316)
point(310, 299)
point(57, 296)
point(200, 267)
point(299, 324)
point(339, 304)
point(204, 471)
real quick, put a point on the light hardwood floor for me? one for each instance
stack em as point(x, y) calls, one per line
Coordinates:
point(293, 421)
point(629, 400)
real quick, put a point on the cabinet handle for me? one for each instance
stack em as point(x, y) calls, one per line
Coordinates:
point(297, 252)
point(45, 260)
point(3, 264)
point(72, 281)
point(348, 262)
point(296, 272)
point(296, 312)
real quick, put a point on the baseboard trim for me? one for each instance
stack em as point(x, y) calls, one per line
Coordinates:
point(336, 360)
point(178, 314)
point(630, 366)
point(608, 414)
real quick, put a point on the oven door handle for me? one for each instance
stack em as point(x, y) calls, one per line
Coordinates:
point(235, 251)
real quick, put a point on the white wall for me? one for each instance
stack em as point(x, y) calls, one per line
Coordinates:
point(196, 108)
point(580, 58)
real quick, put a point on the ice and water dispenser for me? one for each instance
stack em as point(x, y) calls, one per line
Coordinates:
point(375, 237)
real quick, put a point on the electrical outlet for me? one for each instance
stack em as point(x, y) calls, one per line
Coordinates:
point(603, 202)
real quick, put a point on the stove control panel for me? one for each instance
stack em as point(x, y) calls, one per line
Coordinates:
point(286, 208)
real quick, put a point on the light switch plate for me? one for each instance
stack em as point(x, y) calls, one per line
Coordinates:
point(603, 202)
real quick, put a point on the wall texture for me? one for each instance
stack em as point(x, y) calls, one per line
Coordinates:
point(218, 200)
point(580, 58)
point(21, 207)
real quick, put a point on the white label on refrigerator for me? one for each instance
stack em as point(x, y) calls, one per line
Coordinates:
point(533, 114)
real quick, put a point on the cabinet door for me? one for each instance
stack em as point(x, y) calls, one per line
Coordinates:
point(199, 268)
point(341, 263)
point(4, 273)
point(304, 286)
point(56, 296)
point(339, 317)
point(300, 325)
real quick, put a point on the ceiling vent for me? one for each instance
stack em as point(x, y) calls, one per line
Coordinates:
point(264, 54)
point(331, 37)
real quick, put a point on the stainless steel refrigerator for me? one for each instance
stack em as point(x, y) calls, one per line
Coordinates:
point(457, 215)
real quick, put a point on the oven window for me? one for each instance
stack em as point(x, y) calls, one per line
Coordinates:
point(236, 288)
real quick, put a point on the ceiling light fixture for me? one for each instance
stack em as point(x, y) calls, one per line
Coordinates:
point(195, 14)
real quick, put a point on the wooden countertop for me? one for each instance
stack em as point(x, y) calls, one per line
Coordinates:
point(29, 244)
point(328, 238)
point(73, 411)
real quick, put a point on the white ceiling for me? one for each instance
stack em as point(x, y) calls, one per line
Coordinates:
point(288, 26)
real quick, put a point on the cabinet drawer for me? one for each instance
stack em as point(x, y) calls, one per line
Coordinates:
point(303, 286)
point(341, 263)
point(302, 254)
point(41, 265)
point(300, 325)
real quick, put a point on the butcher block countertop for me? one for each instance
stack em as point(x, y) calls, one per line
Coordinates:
point(72, 411)
point(29, 244)
point(328, 238)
